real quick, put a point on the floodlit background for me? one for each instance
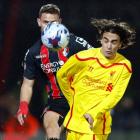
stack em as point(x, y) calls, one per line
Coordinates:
point(18, 32)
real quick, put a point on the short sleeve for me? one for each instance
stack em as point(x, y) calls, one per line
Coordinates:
point(29, 65)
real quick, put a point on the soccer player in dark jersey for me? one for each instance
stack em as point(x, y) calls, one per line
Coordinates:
point(39, 60)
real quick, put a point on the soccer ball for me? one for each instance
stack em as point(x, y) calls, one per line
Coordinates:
point(55, 36)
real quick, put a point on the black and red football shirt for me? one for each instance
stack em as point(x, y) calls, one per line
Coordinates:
point(39, 60)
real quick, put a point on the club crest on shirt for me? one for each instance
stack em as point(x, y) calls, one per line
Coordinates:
point(65, 51)
point(112, 73)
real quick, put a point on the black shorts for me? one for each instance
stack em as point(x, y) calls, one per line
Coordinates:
point(58, 105)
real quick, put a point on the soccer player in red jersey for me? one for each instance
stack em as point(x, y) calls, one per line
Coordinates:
point(44, 62)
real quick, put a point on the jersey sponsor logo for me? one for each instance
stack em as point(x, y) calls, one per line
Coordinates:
point(41, 56)
point(94, 83)
point(61, 62)
point(97, 84)
point(52, 67)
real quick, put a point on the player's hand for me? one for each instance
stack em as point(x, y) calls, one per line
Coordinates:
point(22, 112)
point(89, 119)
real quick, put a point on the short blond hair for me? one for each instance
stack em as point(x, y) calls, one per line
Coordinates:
point(49, 8)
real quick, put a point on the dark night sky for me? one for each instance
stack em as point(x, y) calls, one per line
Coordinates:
point(19, 29)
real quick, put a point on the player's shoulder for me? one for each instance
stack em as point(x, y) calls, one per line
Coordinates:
point(73, 39)
point(35, 48)
point(126, 62)
point(87, 54)
point(76, 39)
point(122, 59)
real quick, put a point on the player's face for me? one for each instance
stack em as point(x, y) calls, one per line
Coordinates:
point(47, 17)
point(110, 44)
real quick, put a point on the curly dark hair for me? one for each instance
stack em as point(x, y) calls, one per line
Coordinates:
point(127, 34)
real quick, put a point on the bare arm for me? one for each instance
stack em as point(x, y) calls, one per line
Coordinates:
point(26, 90)
point(25, 97)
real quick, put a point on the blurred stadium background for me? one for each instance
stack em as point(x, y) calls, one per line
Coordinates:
point(19, 30)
